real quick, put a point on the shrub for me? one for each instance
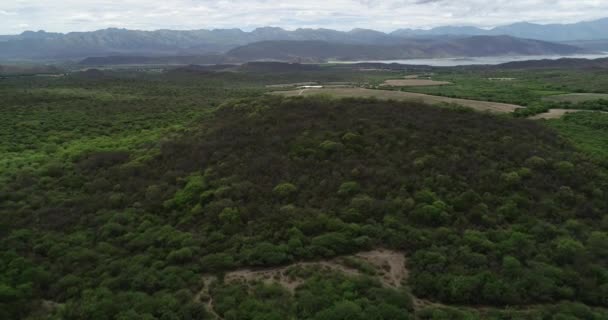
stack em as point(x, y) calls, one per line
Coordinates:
point(285, 189)
point(348, 188)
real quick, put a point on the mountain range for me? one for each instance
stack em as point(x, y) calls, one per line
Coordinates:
point(123, 42)
point(587, 30)
point(315, 51)
point(319, 51)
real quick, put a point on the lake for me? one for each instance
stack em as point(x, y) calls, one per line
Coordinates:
point(452, 62)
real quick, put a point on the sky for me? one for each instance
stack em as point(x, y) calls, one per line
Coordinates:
point(384, 15)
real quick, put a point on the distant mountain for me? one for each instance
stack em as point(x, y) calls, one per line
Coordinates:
point(123, 42)
point(440, 31)
point(314, 51)
point(43, 45)
point(588, 30)
point(317, 51)
point(164, 60)
point(593, 45)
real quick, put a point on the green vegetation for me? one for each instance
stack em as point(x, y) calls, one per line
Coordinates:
point(578, 97)
point(322, 295)
point(589, 131)
point(123, 193)
point(527, 87)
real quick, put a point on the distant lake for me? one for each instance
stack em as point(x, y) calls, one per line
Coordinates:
point(452, 62)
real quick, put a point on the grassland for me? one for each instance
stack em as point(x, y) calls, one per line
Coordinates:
point(577, 97)
point(587, 130)
point(528, 88)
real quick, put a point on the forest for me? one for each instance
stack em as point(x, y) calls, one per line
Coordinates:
point(136, 195)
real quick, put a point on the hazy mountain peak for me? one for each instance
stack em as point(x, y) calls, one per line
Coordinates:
point(120, 41)
point(267, 29)
point(587, 30)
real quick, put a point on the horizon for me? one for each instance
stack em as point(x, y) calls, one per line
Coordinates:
point(342, 15)
point(248, 30)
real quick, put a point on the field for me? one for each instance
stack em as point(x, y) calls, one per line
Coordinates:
point(414, 83)
point(529, 88)
point(577, 97)
point(196, 194)
point(587, 130)
point(403, 96)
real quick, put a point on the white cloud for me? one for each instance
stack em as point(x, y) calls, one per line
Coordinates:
point(385, 15)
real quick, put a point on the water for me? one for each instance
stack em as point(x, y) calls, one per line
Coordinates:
point(452, 62)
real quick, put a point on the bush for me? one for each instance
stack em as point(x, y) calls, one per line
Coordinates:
point(348, 188)
point(285, 189)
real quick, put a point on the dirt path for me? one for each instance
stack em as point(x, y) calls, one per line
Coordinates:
point(204, 294)
point(391, 262)
point(404, 96)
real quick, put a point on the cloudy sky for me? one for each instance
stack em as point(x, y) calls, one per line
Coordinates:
point(385, 15)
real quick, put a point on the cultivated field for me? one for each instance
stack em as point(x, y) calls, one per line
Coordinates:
point(404, 96)
point(577, 97)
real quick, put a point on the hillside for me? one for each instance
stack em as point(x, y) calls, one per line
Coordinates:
point(136, 194)
point(315, 51)
point(594, 45)
point(164, 60)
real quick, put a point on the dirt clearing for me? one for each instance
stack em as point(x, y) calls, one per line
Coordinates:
point(403, 96)
point(557, 113)
point(386, 265)
point(389, 269)
point(553, 114)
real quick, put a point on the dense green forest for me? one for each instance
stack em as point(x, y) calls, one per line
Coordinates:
point(123, 193)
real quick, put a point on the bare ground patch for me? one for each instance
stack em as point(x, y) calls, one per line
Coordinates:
point(558, 113)
point(553, 114)
point(495, 107)
point(414, 83)
point(389, 268)
point(389, 265)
